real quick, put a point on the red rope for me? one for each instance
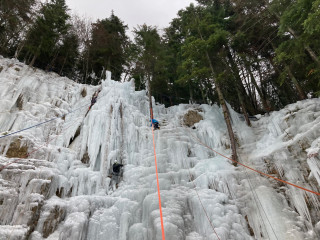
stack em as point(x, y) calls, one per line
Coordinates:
point(262, 173)
point(155, 159)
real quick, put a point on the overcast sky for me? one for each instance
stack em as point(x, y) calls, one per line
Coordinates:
point(132, 12)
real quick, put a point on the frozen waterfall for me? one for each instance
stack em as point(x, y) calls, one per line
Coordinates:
point(63, 190)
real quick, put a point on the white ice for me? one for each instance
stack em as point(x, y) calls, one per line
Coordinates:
point(64, 190)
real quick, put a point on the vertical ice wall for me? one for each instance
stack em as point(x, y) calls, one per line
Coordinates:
point(286, 145)
point(64, 190)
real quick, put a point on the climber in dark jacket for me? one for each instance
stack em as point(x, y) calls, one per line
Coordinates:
point(116, 168)
point(93, 100)
point(155, 124)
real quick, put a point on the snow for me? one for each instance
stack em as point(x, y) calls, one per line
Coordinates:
point(64, 190)
point(14, 232)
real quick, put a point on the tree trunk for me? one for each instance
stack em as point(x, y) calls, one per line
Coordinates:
point(202, 95)
point(33, 60)
point(238, 83)
point(244, 110)
point(306, 47)
point(18, 50)
point(35, 54)
point(249, 88)
point(52, 62)
point(150, 98)
point(64, 62)
point(226, 114)
point(86, 67)
point(312, 54)
point(227, 118)
point(238, 87)
point(301, 93)
point(108, 65)
point(190, 93)
point(26, 57)
point(265, 103)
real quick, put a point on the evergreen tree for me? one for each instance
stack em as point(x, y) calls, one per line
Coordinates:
point(258, 55)
point(181, 87)
point(46, 35)
point(300, 38)
point(204, 52)
point(15, 17)
point(67, 59)
point(151, 64)
point(107, 48)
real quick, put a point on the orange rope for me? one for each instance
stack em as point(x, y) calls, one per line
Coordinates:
point(262, 173)
point(155, 159)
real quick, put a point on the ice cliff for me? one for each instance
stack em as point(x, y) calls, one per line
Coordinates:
point(59, 187)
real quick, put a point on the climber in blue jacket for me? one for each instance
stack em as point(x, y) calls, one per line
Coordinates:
point(155, 124)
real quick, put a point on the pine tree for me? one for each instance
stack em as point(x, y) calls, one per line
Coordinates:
point(107, 47)
point(15, 17)
point(151, 64)
point(67, 59)
point(301, 37)
point(45, 36)
point(204, 45)
point(180, 83)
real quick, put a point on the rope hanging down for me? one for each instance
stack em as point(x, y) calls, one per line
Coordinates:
point(158, 186)
point(262, 173)
point(155, 156)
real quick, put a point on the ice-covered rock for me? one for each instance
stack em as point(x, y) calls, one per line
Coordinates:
point(63, 189)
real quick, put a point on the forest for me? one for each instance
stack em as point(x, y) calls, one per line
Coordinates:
point(258, 56)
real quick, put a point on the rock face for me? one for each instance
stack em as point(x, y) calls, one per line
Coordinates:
point(192, 117)
point(17, 149)
point(52, 219)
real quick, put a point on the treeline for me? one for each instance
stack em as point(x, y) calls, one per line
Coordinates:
point(256, 55)
point(44, 35)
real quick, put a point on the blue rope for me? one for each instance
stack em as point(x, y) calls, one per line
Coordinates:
point(52, 119)
point(28, 128)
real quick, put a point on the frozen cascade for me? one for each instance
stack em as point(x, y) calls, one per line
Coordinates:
point(64, 190)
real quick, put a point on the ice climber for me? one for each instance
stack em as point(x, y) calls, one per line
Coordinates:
point(116, 168)
point(155, 124)
point(93, 100)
